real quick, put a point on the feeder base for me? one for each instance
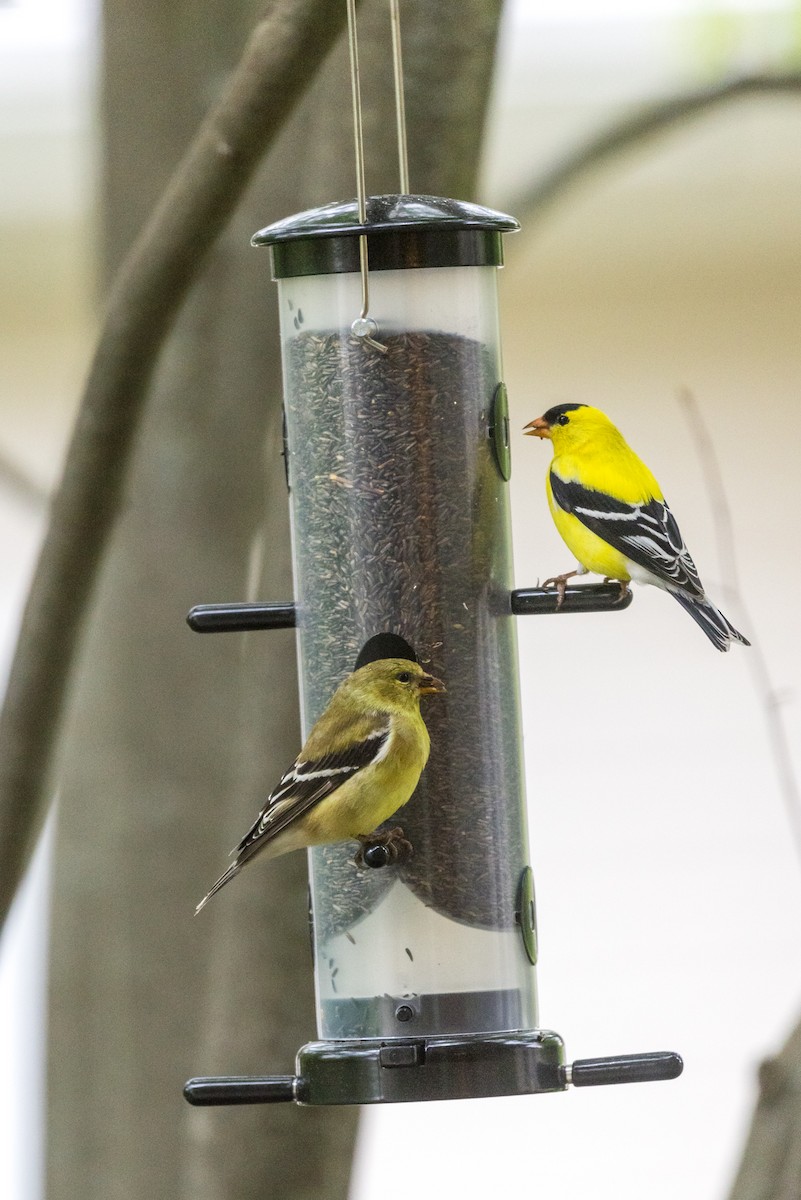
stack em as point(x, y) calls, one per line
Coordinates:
point(438, 1068)
point(391, 1071)
point(452, 1068)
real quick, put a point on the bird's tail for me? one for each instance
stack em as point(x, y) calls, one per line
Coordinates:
point(720, 632)
point(234, 869)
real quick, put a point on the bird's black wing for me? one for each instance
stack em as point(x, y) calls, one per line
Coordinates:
point(308, 781)
point(647, 533)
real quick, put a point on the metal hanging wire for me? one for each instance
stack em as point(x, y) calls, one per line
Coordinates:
point(400, 101)
point(364, 327)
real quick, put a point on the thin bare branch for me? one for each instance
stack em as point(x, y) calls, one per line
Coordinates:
point(769, 694)
point(284, 53)
point(622, 135)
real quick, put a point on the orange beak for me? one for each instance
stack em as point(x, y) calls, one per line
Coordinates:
point(430, 686)
point(538, 428)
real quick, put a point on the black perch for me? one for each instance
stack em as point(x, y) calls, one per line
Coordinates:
point(238, 618)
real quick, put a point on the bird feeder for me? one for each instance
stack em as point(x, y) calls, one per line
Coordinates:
point(397, 449)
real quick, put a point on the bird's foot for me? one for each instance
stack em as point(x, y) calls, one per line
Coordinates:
point(381, 849)
point(623, 584)
point(560, 583)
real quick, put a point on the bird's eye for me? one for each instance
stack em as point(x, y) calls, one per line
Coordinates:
point(404, 677)
point(562, 419)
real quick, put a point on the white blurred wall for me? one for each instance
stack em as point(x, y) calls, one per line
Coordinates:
point(46, 326)
point(668, 888)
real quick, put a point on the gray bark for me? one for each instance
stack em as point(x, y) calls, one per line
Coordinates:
point(770, 1168)
point(173, 739)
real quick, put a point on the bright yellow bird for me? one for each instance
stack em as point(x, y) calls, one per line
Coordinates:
point(360, 764)
point(610, 511)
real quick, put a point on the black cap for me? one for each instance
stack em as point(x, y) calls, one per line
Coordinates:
point(403, 232)
point(384, 645)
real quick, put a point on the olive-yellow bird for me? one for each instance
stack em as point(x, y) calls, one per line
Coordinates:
point(359, 765)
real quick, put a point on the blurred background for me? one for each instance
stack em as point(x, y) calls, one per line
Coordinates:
point(668, 881)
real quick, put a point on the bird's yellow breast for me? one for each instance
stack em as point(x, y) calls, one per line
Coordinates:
point(586, 547)
point(373, 794)
point(591, 452)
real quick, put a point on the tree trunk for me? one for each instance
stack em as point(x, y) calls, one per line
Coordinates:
point(173, 739)
point(771, 1164)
